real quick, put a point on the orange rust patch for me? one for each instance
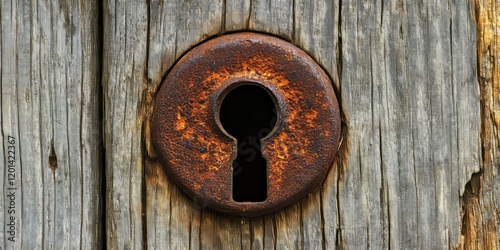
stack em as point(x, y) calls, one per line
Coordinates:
point(311, 116)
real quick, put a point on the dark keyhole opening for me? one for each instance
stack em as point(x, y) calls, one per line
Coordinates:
point(248, 113)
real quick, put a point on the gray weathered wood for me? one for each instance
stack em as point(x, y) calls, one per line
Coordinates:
point(406, 74)
point(414, 108)
point(50, 105)
point(124, 79)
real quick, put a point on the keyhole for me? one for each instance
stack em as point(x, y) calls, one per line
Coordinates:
point(248, 113)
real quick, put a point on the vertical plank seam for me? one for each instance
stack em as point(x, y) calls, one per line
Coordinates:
point(293, 24)
point(338, 230)
point(223, 18)
point(80, 136)
point(101, 237)
point(144, 150)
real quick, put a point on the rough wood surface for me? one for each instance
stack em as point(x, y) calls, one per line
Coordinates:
point(406, 74)
point(124, 80)
point(409, 87)
point(481, 200)
point(50, 105)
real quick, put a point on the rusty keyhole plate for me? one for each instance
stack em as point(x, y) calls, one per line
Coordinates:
point(197, 154)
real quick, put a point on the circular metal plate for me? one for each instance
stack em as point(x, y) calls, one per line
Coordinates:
point(197, 153)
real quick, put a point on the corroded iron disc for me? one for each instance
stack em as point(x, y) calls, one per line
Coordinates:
point(197, 154)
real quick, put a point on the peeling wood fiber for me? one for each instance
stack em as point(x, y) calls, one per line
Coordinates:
point(481, 200)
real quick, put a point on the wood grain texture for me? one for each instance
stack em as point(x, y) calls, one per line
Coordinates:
point(481, 200)
point(50, 104)
point(124, 79)
point(409, 87)
point(406, 74)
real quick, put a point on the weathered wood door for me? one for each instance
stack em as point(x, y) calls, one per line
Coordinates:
point(418, 82)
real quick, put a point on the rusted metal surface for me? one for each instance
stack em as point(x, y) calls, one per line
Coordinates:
point(197, 154)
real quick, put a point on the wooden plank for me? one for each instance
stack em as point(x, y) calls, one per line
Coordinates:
point(399, 91)
point(405, 73)
point(124, 80)
point(50, 105)
point(481, 199)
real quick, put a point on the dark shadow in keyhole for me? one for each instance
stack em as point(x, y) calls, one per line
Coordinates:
point(248, 113)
